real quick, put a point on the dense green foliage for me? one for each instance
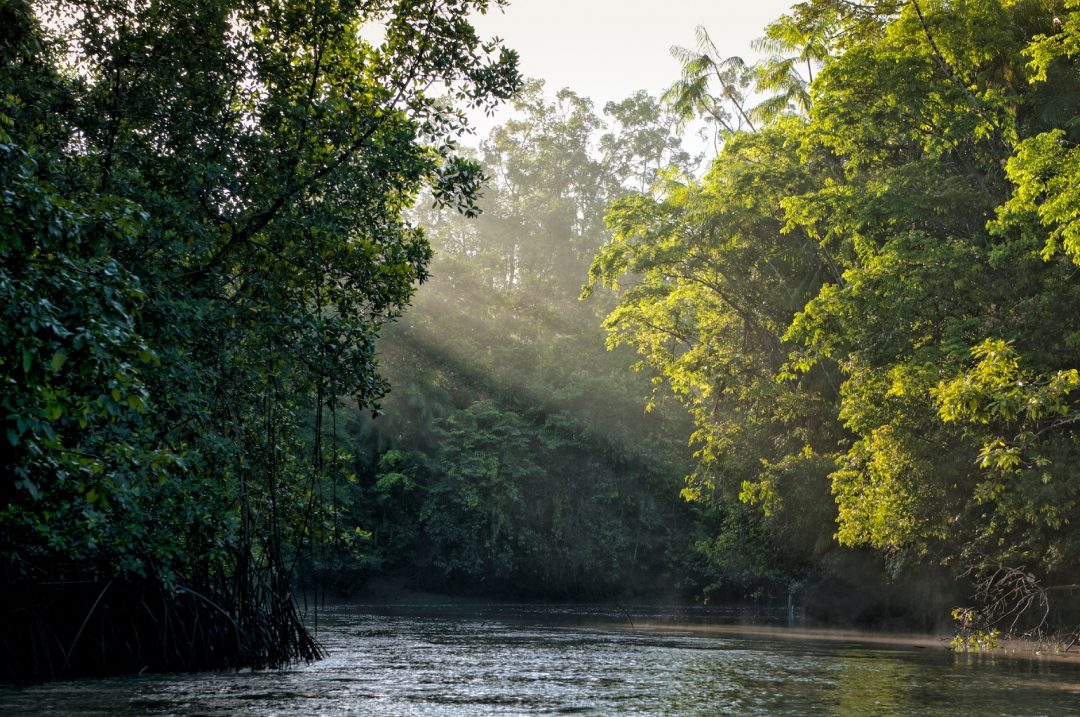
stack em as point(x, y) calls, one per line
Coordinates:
point(715, 285)
point(864, 315)
point(203, 231)
point(878, 294)
point(514, 457)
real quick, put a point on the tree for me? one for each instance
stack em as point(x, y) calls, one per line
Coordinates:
point(896, 258)
point(955, 385)
point(693, 95)
point(245, 166)
point(708, 280)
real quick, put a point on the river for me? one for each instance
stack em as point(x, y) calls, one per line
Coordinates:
point(517, 660)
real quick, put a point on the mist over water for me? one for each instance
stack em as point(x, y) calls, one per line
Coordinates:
point(512, 660)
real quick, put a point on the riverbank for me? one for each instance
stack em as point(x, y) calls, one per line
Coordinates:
point(1036, 649)
point(1023, 649)
point(1011, 648)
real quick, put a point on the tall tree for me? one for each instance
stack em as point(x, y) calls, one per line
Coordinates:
point(935, 198)
point(248, 164)
point(941, 320)
point(708, 281)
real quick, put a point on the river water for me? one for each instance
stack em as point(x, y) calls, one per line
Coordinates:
point(518, 660)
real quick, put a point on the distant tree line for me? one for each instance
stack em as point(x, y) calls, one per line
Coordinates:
point(513, 457)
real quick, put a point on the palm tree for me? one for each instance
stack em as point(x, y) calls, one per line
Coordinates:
point(791, 50)
point(692, 96)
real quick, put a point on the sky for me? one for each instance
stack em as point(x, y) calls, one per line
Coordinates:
point(608, 49)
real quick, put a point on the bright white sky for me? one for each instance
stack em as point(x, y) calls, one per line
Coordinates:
point(608, 49)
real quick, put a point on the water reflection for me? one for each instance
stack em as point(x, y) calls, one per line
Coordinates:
point(869, 684)
point(528, 660)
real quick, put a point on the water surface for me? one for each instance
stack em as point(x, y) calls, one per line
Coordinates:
point(516, 660)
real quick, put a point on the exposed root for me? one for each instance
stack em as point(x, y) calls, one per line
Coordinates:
point(131, 624)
